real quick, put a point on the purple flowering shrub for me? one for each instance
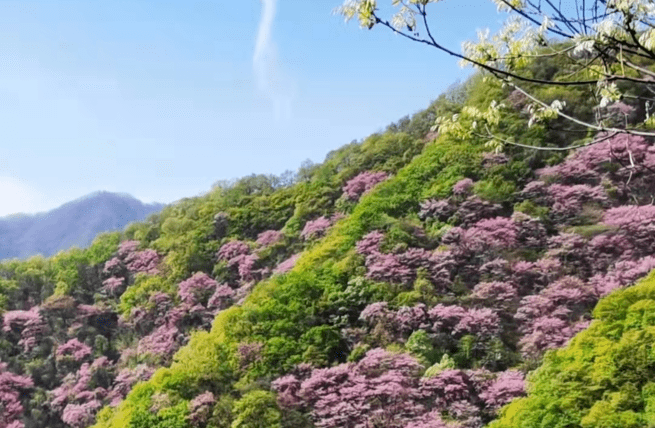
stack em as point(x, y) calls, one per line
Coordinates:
point(287, 264)
point(74, 349)
point(269, 237)
point(315, 228)
point(200, 408)
point(463, 187)
point(362, 183)
point(28, 325)
point(627, 160)
point(11, 387)
point(390, 389)
point(196, 289)
point(238, 258)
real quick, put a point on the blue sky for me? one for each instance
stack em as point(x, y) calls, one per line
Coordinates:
point(160, 99)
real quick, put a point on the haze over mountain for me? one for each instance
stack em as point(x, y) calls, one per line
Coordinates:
point(73, 224)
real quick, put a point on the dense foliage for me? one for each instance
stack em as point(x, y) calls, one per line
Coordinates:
point(411, 280)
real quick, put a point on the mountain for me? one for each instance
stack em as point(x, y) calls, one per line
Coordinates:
point(411, 280)
point(73, 224)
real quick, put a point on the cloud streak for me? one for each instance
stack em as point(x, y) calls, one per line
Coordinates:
point(266, 64)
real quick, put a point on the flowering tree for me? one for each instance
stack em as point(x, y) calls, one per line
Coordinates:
point(315, 228)
point(287, 264)
point(200, 408)
point(30, 325)
point(599, 44)
point(390, 390)
point(74, 349)
point(269, 237)
point(11, 386)
point(362, 183)
point(196, 289)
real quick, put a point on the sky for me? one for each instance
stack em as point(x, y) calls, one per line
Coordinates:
point(161, 99)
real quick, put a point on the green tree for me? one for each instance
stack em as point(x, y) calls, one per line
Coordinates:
point(605, 48)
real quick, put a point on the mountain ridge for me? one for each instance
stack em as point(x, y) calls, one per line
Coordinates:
point(74, 223)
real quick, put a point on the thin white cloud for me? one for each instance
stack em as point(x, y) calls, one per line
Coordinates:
point(267, 66)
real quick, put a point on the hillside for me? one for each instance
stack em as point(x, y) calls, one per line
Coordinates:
point(73, 224)
point(411, 280)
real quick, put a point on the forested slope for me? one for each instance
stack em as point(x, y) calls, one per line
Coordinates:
point(411, 280)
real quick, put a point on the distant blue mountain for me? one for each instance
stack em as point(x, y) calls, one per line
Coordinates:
point(74, 224)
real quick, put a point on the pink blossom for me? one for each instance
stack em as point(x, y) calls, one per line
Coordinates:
point(630, 216)
point(622, 274)
point(112, 264)
point(474, 209)
point(161, 342)
point(245, 265)
point(80, 415)
point(112, 284)
point(126, 248)
point(546, 333)
point(463, 187)
point(568, 201)
point(200, 408)
point(11, 388)
point(233, 249)
point(495, 293)
point(441, 209)
point(496, 233)
point(362, 183)
point(269, 237)
point(221, 298)
point(30, 324)
point(287, 265)
point(145, 261)
point(75, 349)
point(315, 228)
point(410, 318)
point(507, 386)
point(370, 243)
point(124, 381)
point(287, 388)
point(197, 288)
point(446, 317)
point(375, 312)
point(388, 268)
point(483, 322)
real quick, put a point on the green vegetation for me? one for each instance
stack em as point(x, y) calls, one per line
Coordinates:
point(604, 378)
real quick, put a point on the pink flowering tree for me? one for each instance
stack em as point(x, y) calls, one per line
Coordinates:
point(29, 326)
point(74, 349)
point(12, 387)
point(497, 294)
point(315, 228)
point(362, 183)
point(370, 243)
point(438, 209)
point(474, 209)
point(238, 258)
point(463, 187)
point(146, 261)
point(124, 381)
point(197, 289)
point(507, 386)
point(200, 408)
point(221, 298)
point(269, 237)
point(387, 389)
point(233, 249)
